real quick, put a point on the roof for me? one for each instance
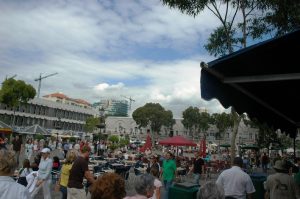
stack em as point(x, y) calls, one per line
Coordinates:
point(57, 95)
point(35, 129)
point(63, 96)
point(262, 80)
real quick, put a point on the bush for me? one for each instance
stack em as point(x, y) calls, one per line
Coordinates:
point(39, 137)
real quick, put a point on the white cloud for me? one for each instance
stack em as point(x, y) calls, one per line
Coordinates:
point(105, 86)
point(94, 44)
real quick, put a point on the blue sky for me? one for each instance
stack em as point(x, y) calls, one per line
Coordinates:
point(107, 49)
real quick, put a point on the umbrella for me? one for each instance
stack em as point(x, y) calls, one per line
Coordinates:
point(252, 146)
point(4, 128)
point(225, 145)
point(147, 145)
point(177, 141)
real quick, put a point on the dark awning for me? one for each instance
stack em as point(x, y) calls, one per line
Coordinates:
point(262, 80)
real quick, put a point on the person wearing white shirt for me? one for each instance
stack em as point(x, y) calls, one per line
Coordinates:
point(44, 174)
point(236, 183)
point(9, 188)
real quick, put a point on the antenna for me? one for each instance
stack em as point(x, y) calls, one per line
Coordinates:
point(130, 100)
point(40, 81)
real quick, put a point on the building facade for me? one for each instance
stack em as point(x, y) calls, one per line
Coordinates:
point(125, 125)
point(118, 108)
point(48, 114)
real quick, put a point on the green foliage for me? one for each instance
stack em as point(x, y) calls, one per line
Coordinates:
point(204, 121)
point(190, 7)
point(153, 114)
point(123, 142)
point(91, 123)
point(285, 141)
point(113, 146)
point(266, 134)
point(114, 138)
point(39, 137)
point(280, 16)
point(15, 91)
point(72, 139)
point(193, 119)
point(221, 41)
point(190, 118)
point(222, 121)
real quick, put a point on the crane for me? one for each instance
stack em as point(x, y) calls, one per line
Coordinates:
point(130, 100)
point(40, 81)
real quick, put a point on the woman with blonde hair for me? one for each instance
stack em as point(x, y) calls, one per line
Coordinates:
point(108, 186)
point(65, 173)
point(8, 187)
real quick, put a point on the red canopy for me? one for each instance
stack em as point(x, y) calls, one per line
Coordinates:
point(177, 141)
point(148, 144)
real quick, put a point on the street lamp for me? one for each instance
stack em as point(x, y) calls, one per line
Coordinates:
point(57, 127)
point(101, 124)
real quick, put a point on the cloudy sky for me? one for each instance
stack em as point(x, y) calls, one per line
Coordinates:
point(106, 49)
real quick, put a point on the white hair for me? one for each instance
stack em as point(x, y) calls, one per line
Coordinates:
point(211, 190)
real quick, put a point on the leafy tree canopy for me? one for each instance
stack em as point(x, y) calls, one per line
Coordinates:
point(15, 91)
point(190, 117)
point(222, 121)
point(153, 114)
point(91, 123)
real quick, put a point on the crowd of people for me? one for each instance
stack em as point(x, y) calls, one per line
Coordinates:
point(74, 179)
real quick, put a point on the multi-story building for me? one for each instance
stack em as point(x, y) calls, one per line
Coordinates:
point(49, 114)
point(112, 107)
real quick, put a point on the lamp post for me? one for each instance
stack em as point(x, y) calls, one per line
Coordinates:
point(57, 127)
point(101, 124)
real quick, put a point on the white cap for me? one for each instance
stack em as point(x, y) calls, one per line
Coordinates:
point(45, 150)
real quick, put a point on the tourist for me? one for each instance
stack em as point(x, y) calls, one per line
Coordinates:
point(235, 182)
point(153, 163)
point(197, 168)
point(168, 172)
point(211, 190)
point(8, 187)
point(157, 183)
point(24, 171)
point(65, 173)
point(44, 174)
point(144, 187)
point(281, 185)
point(78, 171)
point(28, 149)
point(108, 186)
point(17, 147)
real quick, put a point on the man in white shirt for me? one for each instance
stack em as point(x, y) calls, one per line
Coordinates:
point(236, 183)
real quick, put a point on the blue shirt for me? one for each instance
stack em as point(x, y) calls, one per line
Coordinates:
point(11, 189)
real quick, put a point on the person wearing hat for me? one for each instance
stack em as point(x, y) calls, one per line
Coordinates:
point(236, 183)
point(78, 171)
point(281, 185)
point(44, 174)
